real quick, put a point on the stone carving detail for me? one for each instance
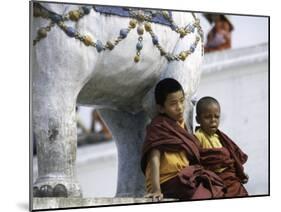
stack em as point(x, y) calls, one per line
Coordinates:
point(47, 191)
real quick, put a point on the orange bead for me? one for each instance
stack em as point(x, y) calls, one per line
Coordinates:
point(87, 40)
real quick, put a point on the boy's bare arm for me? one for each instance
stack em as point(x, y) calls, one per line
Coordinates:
point(154, 159)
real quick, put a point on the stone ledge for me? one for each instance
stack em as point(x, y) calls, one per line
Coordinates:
point(221, 60)
point(55, 203)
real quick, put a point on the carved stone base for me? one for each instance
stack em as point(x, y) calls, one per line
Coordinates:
point(56, 187)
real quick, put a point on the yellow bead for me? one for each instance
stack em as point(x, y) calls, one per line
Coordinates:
point(87, 40)
point(74, 15)
point(109, 45)
point(42, 32)
point(147, 27)
point(137, 58)
point(36, 12)
point(183, 56)
point(44, 14)
point(133, 23)
point(166, 14)
point(141, 17)
point(182, 32)
point(162, 52)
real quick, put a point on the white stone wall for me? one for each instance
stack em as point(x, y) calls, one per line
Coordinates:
point(239, 82)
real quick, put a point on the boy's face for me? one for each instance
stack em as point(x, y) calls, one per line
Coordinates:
point(209, 118)
point(174, 106)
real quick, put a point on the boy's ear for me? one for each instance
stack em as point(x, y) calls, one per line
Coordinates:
point(160, 108)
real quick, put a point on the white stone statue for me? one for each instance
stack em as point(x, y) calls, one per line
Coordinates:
point(72, 64)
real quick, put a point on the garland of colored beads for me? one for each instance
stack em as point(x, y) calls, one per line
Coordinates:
point(189, 28)
point(140, 20)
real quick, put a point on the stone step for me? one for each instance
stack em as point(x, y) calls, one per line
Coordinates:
point(55, 203)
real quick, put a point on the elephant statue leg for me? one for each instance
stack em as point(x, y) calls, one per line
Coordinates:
point(54, 127)
point(59, 71)
point(128, 132)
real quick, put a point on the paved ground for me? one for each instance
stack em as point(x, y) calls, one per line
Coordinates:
point(97, 170)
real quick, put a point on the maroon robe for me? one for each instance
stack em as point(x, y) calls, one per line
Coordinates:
point(230, 157)
point(193, 182)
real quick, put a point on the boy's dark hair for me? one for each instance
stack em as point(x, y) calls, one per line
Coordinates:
point(165, 87)
point(201, 104)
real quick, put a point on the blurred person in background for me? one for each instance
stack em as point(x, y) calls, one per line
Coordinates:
point(98, 131)
point(219, 37)
point(98, 127)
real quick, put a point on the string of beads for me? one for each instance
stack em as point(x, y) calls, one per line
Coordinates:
point(139, 20)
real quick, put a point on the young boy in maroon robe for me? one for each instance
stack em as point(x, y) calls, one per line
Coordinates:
point(170, 156)
point(219, 153)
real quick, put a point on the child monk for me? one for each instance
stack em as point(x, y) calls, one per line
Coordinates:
point(219, 153)
point(170, 156)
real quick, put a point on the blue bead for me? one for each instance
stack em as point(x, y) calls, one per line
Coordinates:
point(189, 27)
point(86, 10)
point(192, 28)
point(139, 46)
point(70, 31)
point(173, 27)
point(140, 30)
point(192, 48)
point(124, 33)
point(155, 40)
point(99, 46)
point(55, 18)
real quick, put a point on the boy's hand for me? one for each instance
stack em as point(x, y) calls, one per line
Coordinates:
point(156, 196)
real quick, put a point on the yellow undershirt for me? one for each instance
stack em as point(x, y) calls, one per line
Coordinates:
point(208, 142)
point(171, 163)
